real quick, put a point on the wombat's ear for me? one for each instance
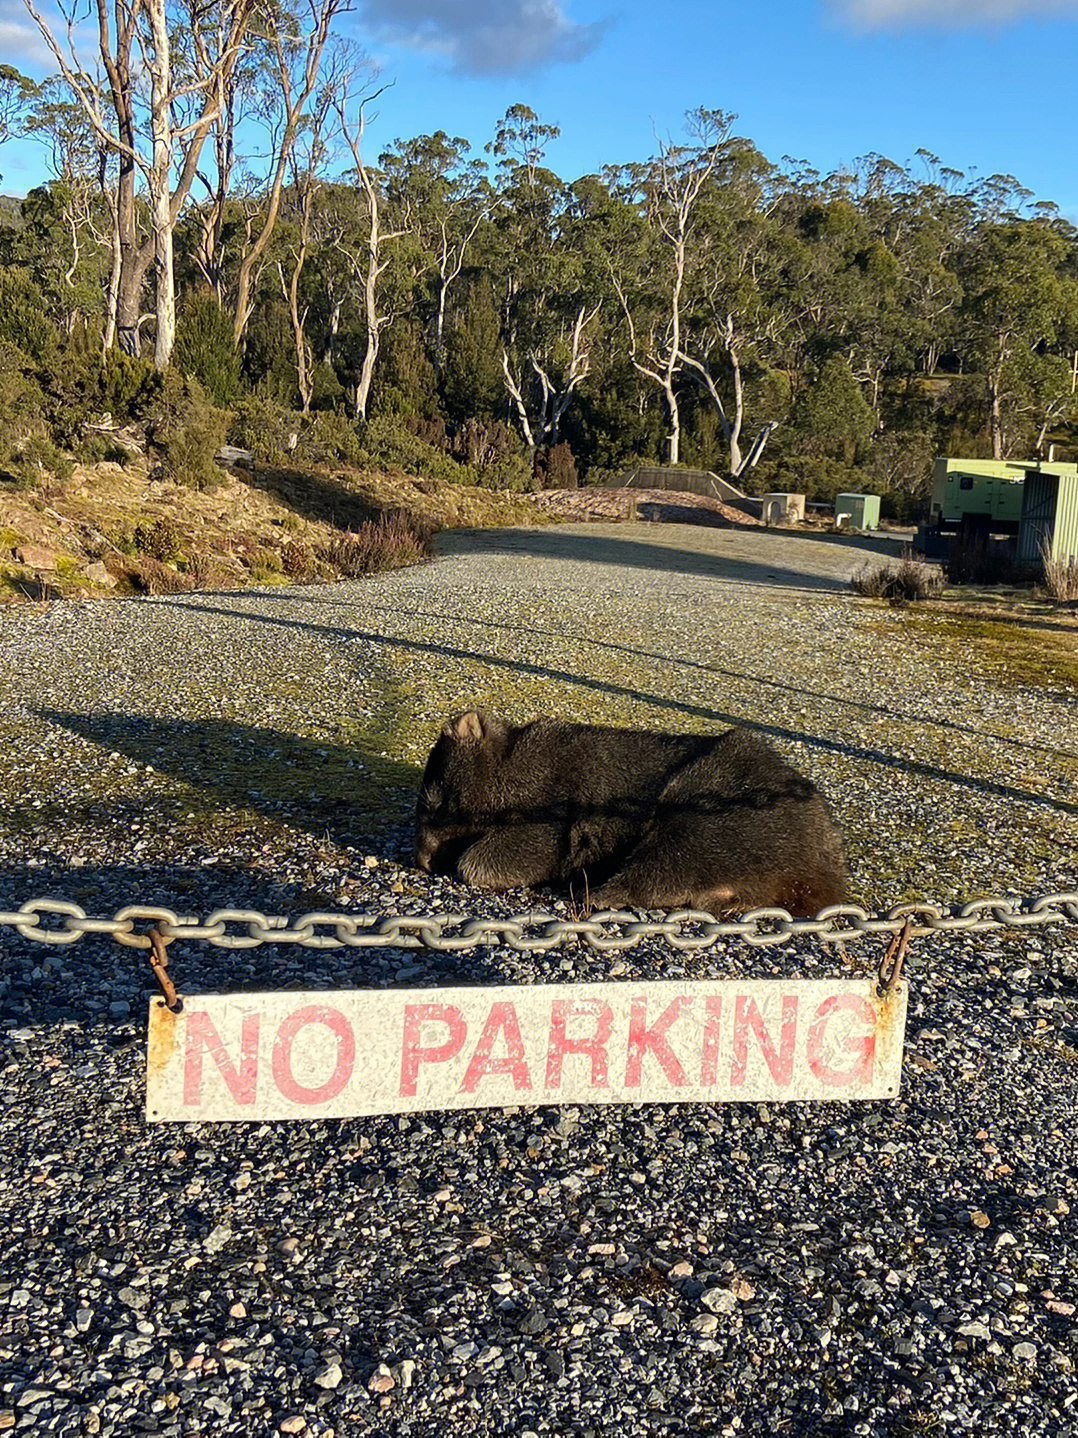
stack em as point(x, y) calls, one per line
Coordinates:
point(469, 728)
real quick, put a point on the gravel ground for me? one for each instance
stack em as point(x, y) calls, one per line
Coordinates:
point(879, 1269)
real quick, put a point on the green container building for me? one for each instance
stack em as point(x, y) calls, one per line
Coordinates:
point(985, 491)
point(862, 511)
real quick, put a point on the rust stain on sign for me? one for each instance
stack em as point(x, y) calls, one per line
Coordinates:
point(335, 1055)
point(162, 1038)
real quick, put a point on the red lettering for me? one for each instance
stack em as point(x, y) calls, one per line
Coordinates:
point(862, 1047)
point(241, 1080)
point(502, 1019)
point(413, 1053)
point(562, 1010)
point(747, 1015)
point(709, 1057)
point(287, 1084)
point(652, 1040)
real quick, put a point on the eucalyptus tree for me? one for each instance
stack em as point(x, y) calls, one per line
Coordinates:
point(72, 219)
point(547, 310)
point(17, 94)
point(668, 190)
point(734, 312)
point(310, 222)
point(1015, 300)
point(295, 39)
point(444, 199)
point(368, 249)
point(132, 102)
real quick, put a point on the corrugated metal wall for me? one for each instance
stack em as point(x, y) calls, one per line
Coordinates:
point(1049, 512)
point(1065, 539)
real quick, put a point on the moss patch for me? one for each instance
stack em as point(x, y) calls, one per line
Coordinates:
point(1005, 654)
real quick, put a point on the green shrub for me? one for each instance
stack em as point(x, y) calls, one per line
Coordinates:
point(327, 392)
point(555, 468)
point(279, 436)
point(129, 386)
point(162, 540)
point(36, 461)
point(186, 431)
point(204, 348)
point(265, 428)
point(269, 354)
point(82, 386)
point(24, 320)
point(22, 402)
point(512, 471)
point(328, 438)
point(97, 448)
point(390, 444)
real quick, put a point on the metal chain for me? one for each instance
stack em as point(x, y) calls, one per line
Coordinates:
point(610, 931)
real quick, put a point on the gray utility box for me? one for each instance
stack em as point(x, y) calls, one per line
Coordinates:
point(783, 508)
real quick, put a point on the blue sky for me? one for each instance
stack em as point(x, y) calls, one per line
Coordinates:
point(982, 83)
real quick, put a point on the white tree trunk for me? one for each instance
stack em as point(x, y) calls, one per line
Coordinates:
point(112, 296)
point(739, 414)
point(518, 401)
point(160, 183)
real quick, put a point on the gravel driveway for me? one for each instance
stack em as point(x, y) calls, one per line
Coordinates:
point(888, 1269)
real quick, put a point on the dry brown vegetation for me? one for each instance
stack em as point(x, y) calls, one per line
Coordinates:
point(1060, 577)
point(903, 583)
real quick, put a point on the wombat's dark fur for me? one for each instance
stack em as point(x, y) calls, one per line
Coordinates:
point(653, 821)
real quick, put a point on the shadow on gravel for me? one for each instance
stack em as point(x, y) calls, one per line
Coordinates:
point(562, 543)
point(934, 721)
point(658, 701)
point(337, 790)
point(97, 984)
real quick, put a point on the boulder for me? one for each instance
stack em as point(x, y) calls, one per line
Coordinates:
point(37, 556)
point(98, 574)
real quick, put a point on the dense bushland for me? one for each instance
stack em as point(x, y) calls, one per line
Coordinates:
point(495, 324)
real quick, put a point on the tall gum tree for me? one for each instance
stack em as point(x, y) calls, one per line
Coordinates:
point(295, 41)
point(548, 300)
point(1014, 302)
point(668, 190)
point(444, 199)
point(146, 136)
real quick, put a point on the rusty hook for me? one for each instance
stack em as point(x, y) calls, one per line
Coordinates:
point(158, 957)
point(890, 970)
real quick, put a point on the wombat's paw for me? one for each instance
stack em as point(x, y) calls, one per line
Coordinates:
point(476, 866)
point(613, 895)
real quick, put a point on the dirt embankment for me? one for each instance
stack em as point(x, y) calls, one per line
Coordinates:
point(114, 528)
point(668, 506)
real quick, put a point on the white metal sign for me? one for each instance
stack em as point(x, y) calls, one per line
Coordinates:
point(362, 1051)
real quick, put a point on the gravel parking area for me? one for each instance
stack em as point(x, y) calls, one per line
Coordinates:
point(801, 1269)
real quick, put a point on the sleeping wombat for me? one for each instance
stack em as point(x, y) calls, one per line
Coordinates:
point(652, 821)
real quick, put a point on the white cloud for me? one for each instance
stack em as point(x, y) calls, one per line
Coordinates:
point(953, 14)
point(483, 37)
point(20, 39)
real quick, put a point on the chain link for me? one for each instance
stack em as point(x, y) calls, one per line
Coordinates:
point(611, 931)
